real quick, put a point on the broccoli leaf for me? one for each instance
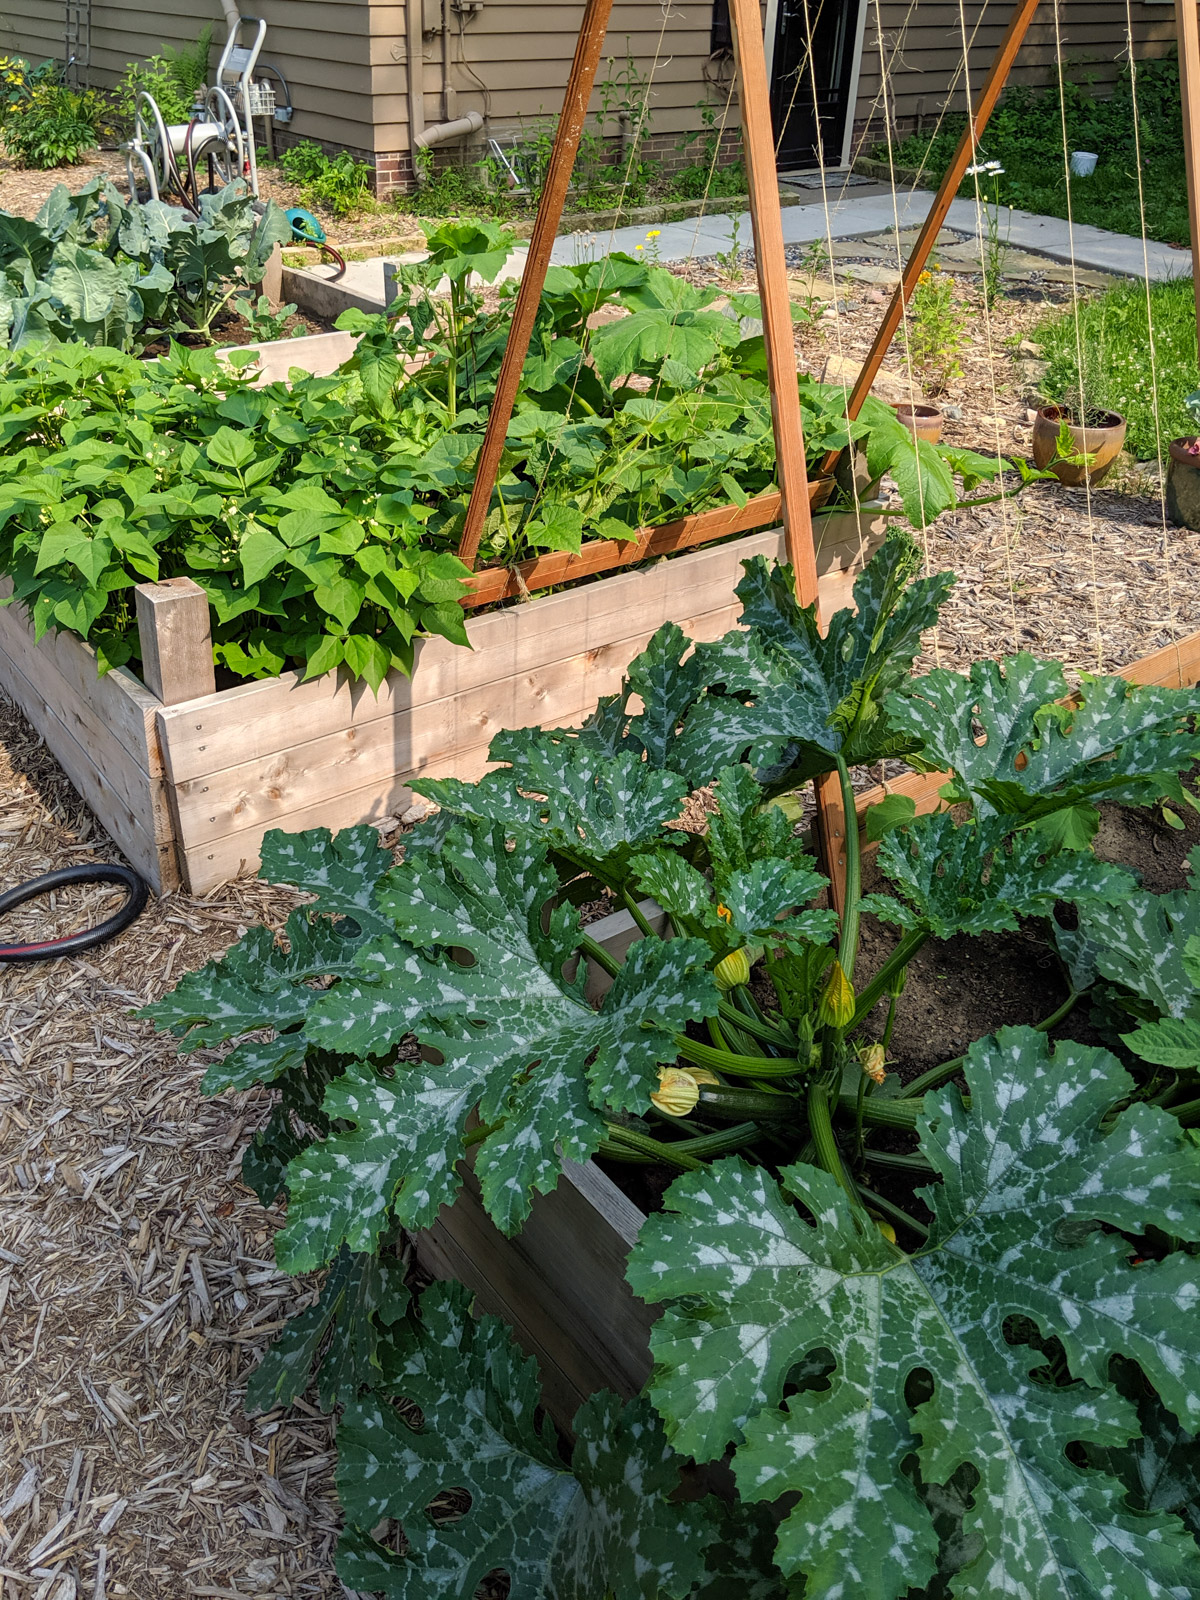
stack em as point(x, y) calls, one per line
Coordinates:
point(1036, 1179)
point(980, 877)
point(602, 1526)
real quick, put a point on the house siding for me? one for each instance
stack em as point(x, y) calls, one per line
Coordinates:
point(322, 47)
point(346, 62)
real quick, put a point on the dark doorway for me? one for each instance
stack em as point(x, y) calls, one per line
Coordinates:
point(810, 128)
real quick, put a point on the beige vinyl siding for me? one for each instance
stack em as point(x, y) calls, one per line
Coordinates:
point(321, 46)
point(520, 52)
point(32, 28)
point(922, 51)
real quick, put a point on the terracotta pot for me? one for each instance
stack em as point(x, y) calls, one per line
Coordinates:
point(1101, 439)
point(1183, 485)
point(925, 421)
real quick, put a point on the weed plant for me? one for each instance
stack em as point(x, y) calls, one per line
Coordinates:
point(936, 330)
point(1114, 336)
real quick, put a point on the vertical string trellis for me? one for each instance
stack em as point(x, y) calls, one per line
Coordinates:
point(988, 339)
point(1087, 487)
point(1152, 342)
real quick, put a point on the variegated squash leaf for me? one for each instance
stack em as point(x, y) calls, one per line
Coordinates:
point(602, 1526)
point(1041, 1180)
point(1042, 759)
point(593, 808)
point(761, 878)
point(1144, 942)
point(337, 1337)
point(980, 877)
point(791, 699)
point(472, 971)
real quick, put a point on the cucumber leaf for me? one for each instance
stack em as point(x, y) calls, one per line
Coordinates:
point(603, 1525)
point(1039, 756)
point(980, 877)
point(1038, 1177)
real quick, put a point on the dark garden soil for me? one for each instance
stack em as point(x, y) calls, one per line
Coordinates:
point(962, 989)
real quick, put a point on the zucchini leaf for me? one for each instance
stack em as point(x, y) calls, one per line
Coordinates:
point(336, 1339)
point(793, 699)
point(1043, 761)
point(473, 973)
point(594, 809)
point(1146, 944)
point(1040, 1179)
point(603, 1525)
point(980, 877)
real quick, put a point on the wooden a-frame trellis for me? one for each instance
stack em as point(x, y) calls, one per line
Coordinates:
point(793, 502)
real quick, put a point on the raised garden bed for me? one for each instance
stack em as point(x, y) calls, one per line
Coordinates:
point(187, 788)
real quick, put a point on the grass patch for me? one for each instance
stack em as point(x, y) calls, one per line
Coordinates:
point(1026, 136)
point(1114, 335)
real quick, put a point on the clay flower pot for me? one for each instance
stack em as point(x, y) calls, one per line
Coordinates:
point(1183, 483)
point(925, 421)
point(1100, 438)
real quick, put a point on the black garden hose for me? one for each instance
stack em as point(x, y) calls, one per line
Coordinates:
point(72, 943)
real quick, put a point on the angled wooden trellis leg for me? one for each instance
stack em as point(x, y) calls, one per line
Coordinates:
point(549, 214)
point(758, 144)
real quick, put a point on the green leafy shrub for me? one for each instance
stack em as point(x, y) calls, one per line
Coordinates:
point(93, 267)
point(338, 183)
point(48, 125)
point(1116, 333)
point(959, 1385)
point(172, 78)
point(1025, 134)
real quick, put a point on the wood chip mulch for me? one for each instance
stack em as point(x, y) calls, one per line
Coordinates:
point(137, 1280)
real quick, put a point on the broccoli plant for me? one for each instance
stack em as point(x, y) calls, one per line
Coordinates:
point(940, 1335)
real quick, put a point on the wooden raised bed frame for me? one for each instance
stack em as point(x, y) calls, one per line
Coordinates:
point(187, 780)
point(560, 1284)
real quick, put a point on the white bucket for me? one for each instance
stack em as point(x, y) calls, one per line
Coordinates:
point(1083, 163)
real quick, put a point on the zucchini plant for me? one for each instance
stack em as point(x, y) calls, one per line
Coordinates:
point(943, 1336)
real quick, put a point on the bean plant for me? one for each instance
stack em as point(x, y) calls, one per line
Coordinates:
point(321, 516)
point(935, 1334)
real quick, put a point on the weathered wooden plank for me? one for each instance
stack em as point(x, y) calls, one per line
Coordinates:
point(117, 702)
point(264, 792)
point(129, 804)
point(318, 354)
point(175, 639)
point(255, 719)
